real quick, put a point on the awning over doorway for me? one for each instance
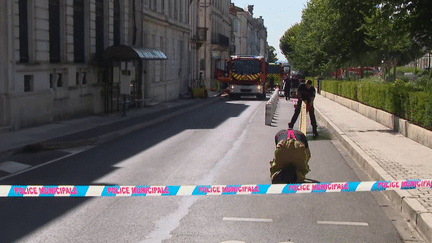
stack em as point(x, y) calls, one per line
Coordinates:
point(128, 52)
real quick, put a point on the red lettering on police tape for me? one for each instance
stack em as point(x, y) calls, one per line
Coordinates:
point(33, 190)
point(215, 190)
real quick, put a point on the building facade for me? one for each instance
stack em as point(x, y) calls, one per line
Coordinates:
point(49, 67)
point(214, 19)
point(165, 25)
point(423, 62)
point(59, 58)
point(52, 64)
point(250, 33)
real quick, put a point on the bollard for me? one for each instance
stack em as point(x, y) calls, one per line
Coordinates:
point(268, 116)
point(271, 106)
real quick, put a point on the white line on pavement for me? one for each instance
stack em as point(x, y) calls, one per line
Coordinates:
point(343, 223)
point(247, 219)
point(29, 168)
point(12, 166)
point(76, 150)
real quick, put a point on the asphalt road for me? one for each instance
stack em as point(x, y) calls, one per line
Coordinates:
point(224, 143)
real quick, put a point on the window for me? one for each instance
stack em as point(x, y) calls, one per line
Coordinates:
point(84, 80)
point(153, 41)
point(28, 83)
point(173, 51)
point(163, 6)
point(99, 28)
point(202, 64)
point(54, 30)
point(23, 31)
point(171, 10)
point(180, 11)
point(187, 15)
point(176, 10)
point(77, 79)
point(60, 80)
point(81, 78)
point(246, 67)
point(51, 80)
point(78, 21)
point(236, 25)
point(117, 22)
point(162, 63)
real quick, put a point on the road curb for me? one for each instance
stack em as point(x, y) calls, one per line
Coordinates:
point(403, 200)
point(45, 145)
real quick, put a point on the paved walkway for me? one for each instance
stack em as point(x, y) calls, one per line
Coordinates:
point(385, 155)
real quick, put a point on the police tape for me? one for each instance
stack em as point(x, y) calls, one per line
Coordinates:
point(202, 190)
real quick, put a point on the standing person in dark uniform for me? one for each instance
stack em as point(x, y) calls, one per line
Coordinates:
point(307, 94)
point(287, 88)
point(295, 82)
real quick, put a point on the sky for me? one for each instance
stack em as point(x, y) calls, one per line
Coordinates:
point(278, 15)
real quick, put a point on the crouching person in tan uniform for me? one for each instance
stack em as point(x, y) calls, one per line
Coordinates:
point(292, 154)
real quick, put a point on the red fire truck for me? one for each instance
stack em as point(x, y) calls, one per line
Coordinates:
point(274, 74)
point(245, 76)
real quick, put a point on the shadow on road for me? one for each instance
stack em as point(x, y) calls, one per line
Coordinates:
point(22, 216)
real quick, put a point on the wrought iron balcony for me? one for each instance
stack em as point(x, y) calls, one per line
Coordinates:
point(220, 39)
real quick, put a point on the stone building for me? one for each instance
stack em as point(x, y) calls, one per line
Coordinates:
point(48, 66)
point(424, 62)
point(62, 59)
point(250, 33)
point(248, 36)
point(215, 23)
point(165, 25)
point(57, 60)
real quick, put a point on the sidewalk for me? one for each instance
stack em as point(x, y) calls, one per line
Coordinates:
point(384, 155)
point(96, 129)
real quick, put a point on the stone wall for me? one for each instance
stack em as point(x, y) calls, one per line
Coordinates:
point(412, 131)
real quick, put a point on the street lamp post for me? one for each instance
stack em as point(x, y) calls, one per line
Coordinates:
point(205, 6)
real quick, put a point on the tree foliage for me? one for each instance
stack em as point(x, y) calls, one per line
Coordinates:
point(338, 34)
point(272, 54)
point(388, 35)
point(419, 21)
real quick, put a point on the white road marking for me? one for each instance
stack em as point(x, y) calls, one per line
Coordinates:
point(76, 150)
point(247, 219)
point(29, 168)
point(343, 223)
point(233, 241)
point(167, 224)
point(12, 167)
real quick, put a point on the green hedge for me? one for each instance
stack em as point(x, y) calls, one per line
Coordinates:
point(396, 98)
point(419, 108)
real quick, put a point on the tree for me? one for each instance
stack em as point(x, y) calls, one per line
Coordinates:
point(272, 54)
point(418, 20)
point(287, 40)
point(304, 43)
point(388, 34)
point(329, 36)
point(287, 43)
point(338, 33)
point(347, 37)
